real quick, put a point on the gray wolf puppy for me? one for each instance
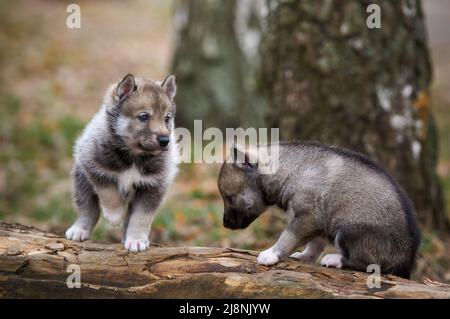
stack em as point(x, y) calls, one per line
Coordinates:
point(125, 160)
point(328, 192)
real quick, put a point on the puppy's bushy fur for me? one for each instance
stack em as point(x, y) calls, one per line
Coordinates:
point(331, 193)
point(125, 160)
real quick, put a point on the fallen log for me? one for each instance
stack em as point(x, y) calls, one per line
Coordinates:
point(37, 264)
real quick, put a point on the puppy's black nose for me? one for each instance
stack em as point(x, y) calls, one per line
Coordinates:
point(228, 223)
point(163, 140)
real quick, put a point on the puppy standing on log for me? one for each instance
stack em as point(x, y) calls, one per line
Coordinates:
point(329, 193)
point(125, 160)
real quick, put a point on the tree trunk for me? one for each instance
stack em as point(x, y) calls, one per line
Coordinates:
point(36, 264)
point(330, 78)
point(217, 63)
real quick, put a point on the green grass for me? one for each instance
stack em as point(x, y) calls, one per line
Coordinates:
point(35, 157)
point(57, 211)
point(427, 242)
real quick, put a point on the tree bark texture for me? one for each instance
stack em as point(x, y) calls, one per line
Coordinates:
point(34, 264)
point(217, 63)
point(332, 79)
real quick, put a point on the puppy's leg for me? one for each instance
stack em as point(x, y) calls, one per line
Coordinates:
point(364, 246)
point(335, 260)
point(312, 250)
point(86, 202)
point(125, 224)
point(299, 231)
point(332, 260)
point(143, 210)
point(113, 205)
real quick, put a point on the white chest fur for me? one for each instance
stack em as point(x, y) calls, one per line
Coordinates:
point(133, 177)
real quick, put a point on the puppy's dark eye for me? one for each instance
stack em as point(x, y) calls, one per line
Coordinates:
point(143, 117)
point(168, 117)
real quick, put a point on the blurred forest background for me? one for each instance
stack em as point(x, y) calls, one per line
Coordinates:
point(314, 70)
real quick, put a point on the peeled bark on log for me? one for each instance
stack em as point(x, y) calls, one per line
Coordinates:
point(34, 264)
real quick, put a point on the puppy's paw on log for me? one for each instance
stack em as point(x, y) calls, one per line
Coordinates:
point(77, 233)
point(268, 257)
point(332, 260)
point(305, 256)
point(136, 245)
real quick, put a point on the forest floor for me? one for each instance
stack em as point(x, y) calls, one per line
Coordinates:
point(52, 80)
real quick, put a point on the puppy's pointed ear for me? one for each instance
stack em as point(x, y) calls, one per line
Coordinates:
point(125, 87)
point(170, 86)
point(243, 159)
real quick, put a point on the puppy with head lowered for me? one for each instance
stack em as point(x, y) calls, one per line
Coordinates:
point(328, 193)
point(125, 160)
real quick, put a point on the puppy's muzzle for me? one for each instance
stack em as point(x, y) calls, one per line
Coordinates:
point(234, 221)
point(163, 140)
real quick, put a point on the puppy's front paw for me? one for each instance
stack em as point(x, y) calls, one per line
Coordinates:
point(332, 260)
point(134, 245)
point(268, 257)
point(305, 256)
point(77, 233)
